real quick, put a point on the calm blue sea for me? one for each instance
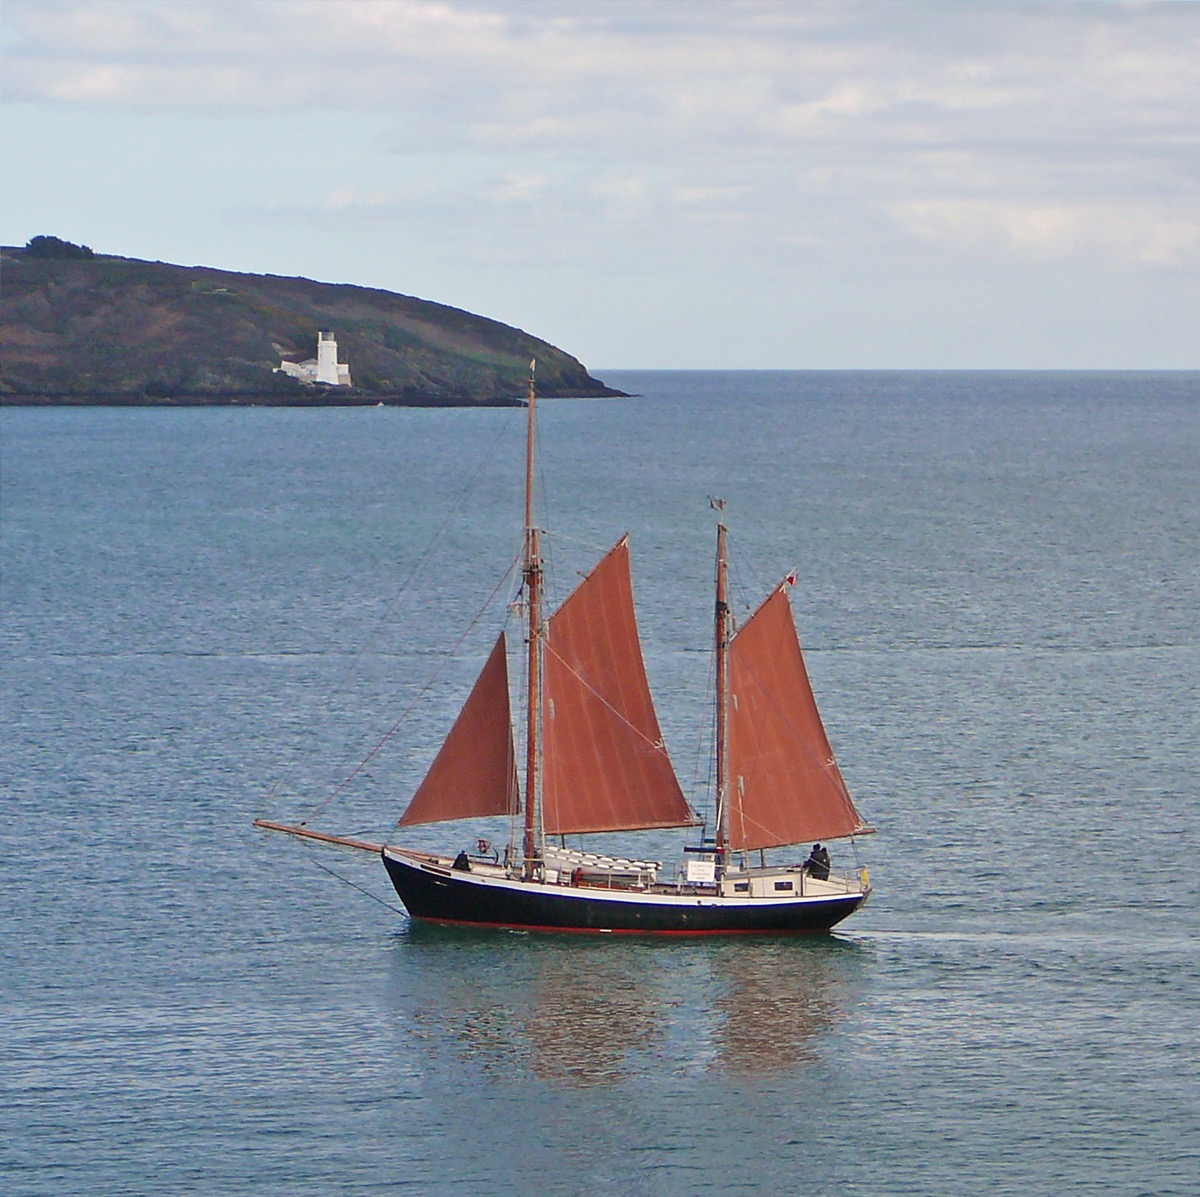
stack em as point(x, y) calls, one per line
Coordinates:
point(209, 615)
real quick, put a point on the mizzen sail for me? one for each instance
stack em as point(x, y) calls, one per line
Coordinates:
point(785, 786)
point(475, 773)
point(604, 765)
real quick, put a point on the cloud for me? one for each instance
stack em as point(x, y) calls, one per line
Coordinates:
point(676, 145)
point(633, 79)
point(1139, 233)
point(751, 66)
point(870, 93)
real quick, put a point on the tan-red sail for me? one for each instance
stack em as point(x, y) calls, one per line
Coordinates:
point(604, 766)
point(475, 773)
point(784, 784)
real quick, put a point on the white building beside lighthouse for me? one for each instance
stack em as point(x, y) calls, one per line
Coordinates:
point(323, 368)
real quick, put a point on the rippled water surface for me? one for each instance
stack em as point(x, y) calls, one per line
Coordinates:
point(209, 615)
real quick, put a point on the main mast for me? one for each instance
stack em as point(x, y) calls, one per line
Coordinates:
point(723, 620)
point(532, 573)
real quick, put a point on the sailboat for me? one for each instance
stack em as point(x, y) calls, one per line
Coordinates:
point(595, 762)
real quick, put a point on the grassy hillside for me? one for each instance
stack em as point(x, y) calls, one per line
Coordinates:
point(118, 330)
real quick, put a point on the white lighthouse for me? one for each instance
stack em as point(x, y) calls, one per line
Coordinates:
point(327, 363)
point(323, 368)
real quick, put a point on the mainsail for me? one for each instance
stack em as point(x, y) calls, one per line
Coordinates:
point(784, 784)
point(605, 767)
point(475, 773)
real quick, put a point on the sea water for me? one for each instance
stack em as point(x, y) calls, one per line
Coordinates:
point(214, 614)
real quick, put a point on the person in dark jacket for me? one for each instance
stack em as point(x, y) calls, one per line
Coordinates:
point(817, 864)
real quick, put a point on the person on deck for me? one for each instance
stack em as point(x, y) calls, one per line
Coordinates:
point(817, 864)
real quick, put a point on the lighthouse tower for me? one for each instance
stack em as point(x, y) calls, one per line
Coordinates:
point(327, 363)
point(323, 368)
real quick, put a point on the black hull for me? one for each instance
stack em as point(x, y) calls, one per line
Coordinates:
point(436, 894)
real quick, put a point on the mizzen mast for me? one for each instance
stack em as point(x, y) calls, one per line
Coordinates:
point(532, 575)
point(723, 619)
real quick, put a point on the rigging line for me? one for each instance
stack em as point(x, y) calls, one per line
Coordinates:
point(739, 604)
point(419, 696)
point(361, 889)
point(591, 545)
point(407, 585)
point(706, 736)
point(660, 744)
point(548, 536)
point(422, 557)
point(775, 705)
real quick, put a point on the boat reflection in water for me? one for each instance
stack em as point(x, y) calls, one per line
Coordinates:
point(777, 1000)
point(585, 1013)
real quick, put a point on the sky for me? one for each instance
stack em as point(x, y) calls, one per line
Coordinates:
point(707, 184)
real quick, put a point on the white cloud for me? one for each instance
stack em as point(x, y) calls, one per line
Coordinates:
point(521, 188)
point(350, 199)
point(1137, 233)
point(774, 140)
point(745, 64)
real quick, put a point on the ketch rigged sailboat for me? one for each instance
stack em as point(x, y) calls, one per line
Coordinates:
point(595, 762)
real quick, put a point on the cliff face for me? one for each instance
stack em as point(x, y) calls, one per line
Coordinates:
point(119, 330)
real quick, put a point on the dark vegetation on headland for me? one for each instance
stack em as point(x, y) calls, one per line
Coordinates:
point(83, 328)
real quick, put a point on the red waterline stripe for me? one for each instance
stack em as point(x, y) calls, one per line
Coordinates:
point(610, 930)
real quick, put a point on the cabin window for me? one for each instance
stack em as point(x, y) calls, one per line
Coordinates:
point(783, 885)
point(741, 887)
